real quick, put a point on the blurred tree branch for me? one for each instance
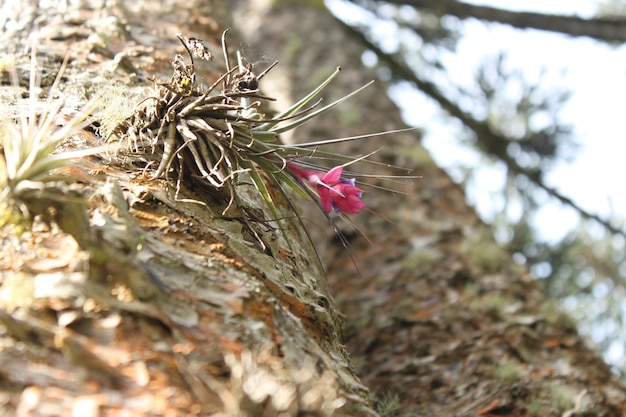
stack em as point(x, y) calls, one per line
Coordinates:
point(603, 29)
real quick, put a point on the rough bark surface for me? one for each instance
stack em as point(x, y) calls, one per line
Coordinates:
point(148, 305)
point(132, 302)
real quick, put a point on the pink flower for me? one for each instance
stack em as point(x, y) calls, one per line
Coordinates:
point(335, 193)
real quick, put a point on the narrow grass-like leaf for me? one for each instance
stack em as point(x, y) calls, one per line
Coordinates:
point(325, 142)
point(283, 177)
point(311, 115)
point(298, 105)
point(265, 193)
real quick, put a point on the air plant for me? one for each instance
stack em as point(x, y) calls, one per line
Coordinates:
point(217, 137)
point(28, 140)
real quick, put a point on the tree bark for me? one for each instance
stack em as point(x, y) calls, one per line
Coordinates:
point(131, 301)
point(125, 298)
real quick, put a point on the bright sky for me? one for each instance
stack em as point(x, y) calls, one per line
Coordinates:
point(596, 73)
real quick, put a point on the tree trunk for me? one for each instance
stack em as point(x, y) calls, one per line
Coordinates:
point(130, 301)
point(437, 313)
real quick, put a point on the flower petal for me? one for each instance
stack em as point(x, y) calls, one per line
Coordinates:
point(325, 198)
point(349, 205)
point(346, 198)
point(296, 170)
point(334, 192)
point(332, 177)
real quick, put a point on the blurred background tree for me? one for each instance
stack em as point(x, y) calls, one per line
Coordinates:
point(510, 123)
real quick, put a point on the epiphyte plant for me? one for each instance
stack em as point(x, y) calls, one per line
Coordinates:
point(217, 136)
point(29, 141)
